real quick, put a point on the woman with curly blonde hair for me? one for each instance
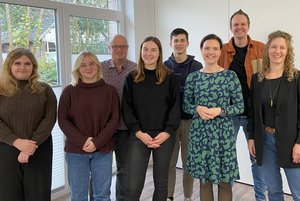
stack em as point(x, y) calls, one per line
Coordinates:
point(289, 66)
point(274, 119)
point(27, 117)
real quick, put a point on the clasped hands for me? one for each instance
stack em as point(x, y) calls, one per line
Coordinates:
point(26, 148)
point(152, 142)
point(89, 146)
point(208, 113)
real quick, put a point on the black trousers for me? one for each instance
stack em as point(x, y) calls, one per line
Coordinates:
point(26, 182)
point(138, 160)
point(121, 152)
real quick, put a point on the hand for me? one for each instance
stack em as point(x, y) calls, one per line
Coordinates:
point(89, 146)
point(26, 146)
point(146, 139)
point(251, 148)
point(160, 138)
point(296, 153)
point(23, 157)
point(203, 112)
point(214, 112)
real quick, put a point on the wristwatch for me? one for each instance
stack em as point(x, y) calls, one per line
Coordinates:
point(222, 113)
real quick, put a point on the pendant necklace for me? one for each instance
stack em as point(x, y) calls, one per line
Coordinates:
point(273, 96)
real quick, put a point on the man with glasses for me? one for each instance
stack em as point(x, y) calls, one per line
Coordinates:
point(115, 71)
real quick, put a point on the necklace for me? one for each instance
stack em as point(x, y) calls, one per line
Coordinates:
point(273, 95)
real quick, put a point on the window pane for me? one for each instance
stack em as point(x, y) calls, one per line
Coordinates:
point(105, 4)
point(32, 28)
point(91, 35)
point(35, 28)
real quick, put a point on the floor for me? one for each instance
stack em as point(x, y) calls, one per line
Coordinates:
point(241, 192)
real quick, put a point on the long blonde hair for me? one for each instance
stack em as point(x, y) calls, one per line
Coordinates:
point(289, 66)
point(161, 70)
point(8, 83)
point(75, 72)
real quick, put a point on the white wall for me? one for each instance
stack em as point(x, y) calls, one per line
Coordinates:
point(201, 17)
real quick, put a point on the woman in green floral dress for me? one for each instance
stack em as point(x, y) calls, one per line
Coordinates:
point(213, 95)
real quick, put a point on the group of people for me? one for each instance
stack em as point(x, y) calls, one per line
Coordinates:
point(155, 108)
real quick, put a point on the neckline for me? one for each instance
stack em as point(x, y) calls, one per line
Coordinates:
point(276, 78)
point(212, 73)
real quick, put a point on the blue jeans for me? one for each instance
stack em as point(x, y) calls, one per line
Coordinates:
point(83, 167)
point(258, 180)
point(271, 171)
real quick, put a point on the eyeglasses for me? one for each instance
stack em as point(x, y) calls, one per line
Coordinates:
point(116, 47)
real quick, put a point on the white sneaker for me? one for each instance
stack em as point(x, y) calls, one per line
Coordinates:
point(187, 199)
point(168, 199)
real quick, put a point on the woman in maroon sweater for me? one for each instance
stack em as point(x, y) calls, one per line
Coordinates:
point(88, 114)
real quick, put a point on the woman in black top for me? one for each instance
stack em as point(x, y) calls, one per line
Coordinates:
point(274, 119)
point(151, 112)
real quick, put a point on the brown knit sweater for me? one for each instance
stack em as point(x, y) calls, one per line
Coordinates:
point(27, 115)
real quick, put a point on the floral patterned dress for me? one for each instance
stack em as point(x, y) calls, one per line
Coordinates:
point(212, 144)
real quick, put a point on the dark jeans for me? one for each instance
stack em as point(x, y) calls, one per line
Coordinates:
point(121, 152)
point(138, 160)
point(28, 181)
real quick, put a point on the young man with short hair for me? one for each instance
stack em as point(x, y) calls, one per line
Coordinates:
point(182, 64)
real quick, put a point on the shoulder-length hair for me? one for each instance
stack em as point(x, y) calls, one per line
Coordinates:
point(8, 83)
point(161, 70)
point(75, 72)
point(289, 66)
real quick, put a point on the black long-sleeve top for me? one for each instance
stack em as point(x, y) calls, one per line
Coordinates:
point(148, 106)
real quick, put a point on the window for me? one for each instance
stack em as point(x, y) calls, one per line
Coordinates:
point(32, 28)
point(107, 4)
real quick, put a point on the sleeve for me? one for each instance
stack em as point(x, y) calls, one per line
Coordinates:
point(128, 113)
point(298, 98)
point(109, 129)
point(236, 96)
point(6, 135)
point(73, 135)
point(173, 120)
point(250, 117)
point(189, 105)
point(46, 124)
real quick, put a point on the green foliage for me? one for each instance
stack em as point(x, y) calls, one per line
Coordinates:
point(48, 71)
point(89, 34)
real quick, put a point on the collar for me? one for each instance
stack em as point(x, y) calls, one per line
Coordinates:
point(231, 46)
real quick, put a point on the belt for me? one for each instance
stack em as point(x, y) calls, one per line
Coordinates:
point(269, 129)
